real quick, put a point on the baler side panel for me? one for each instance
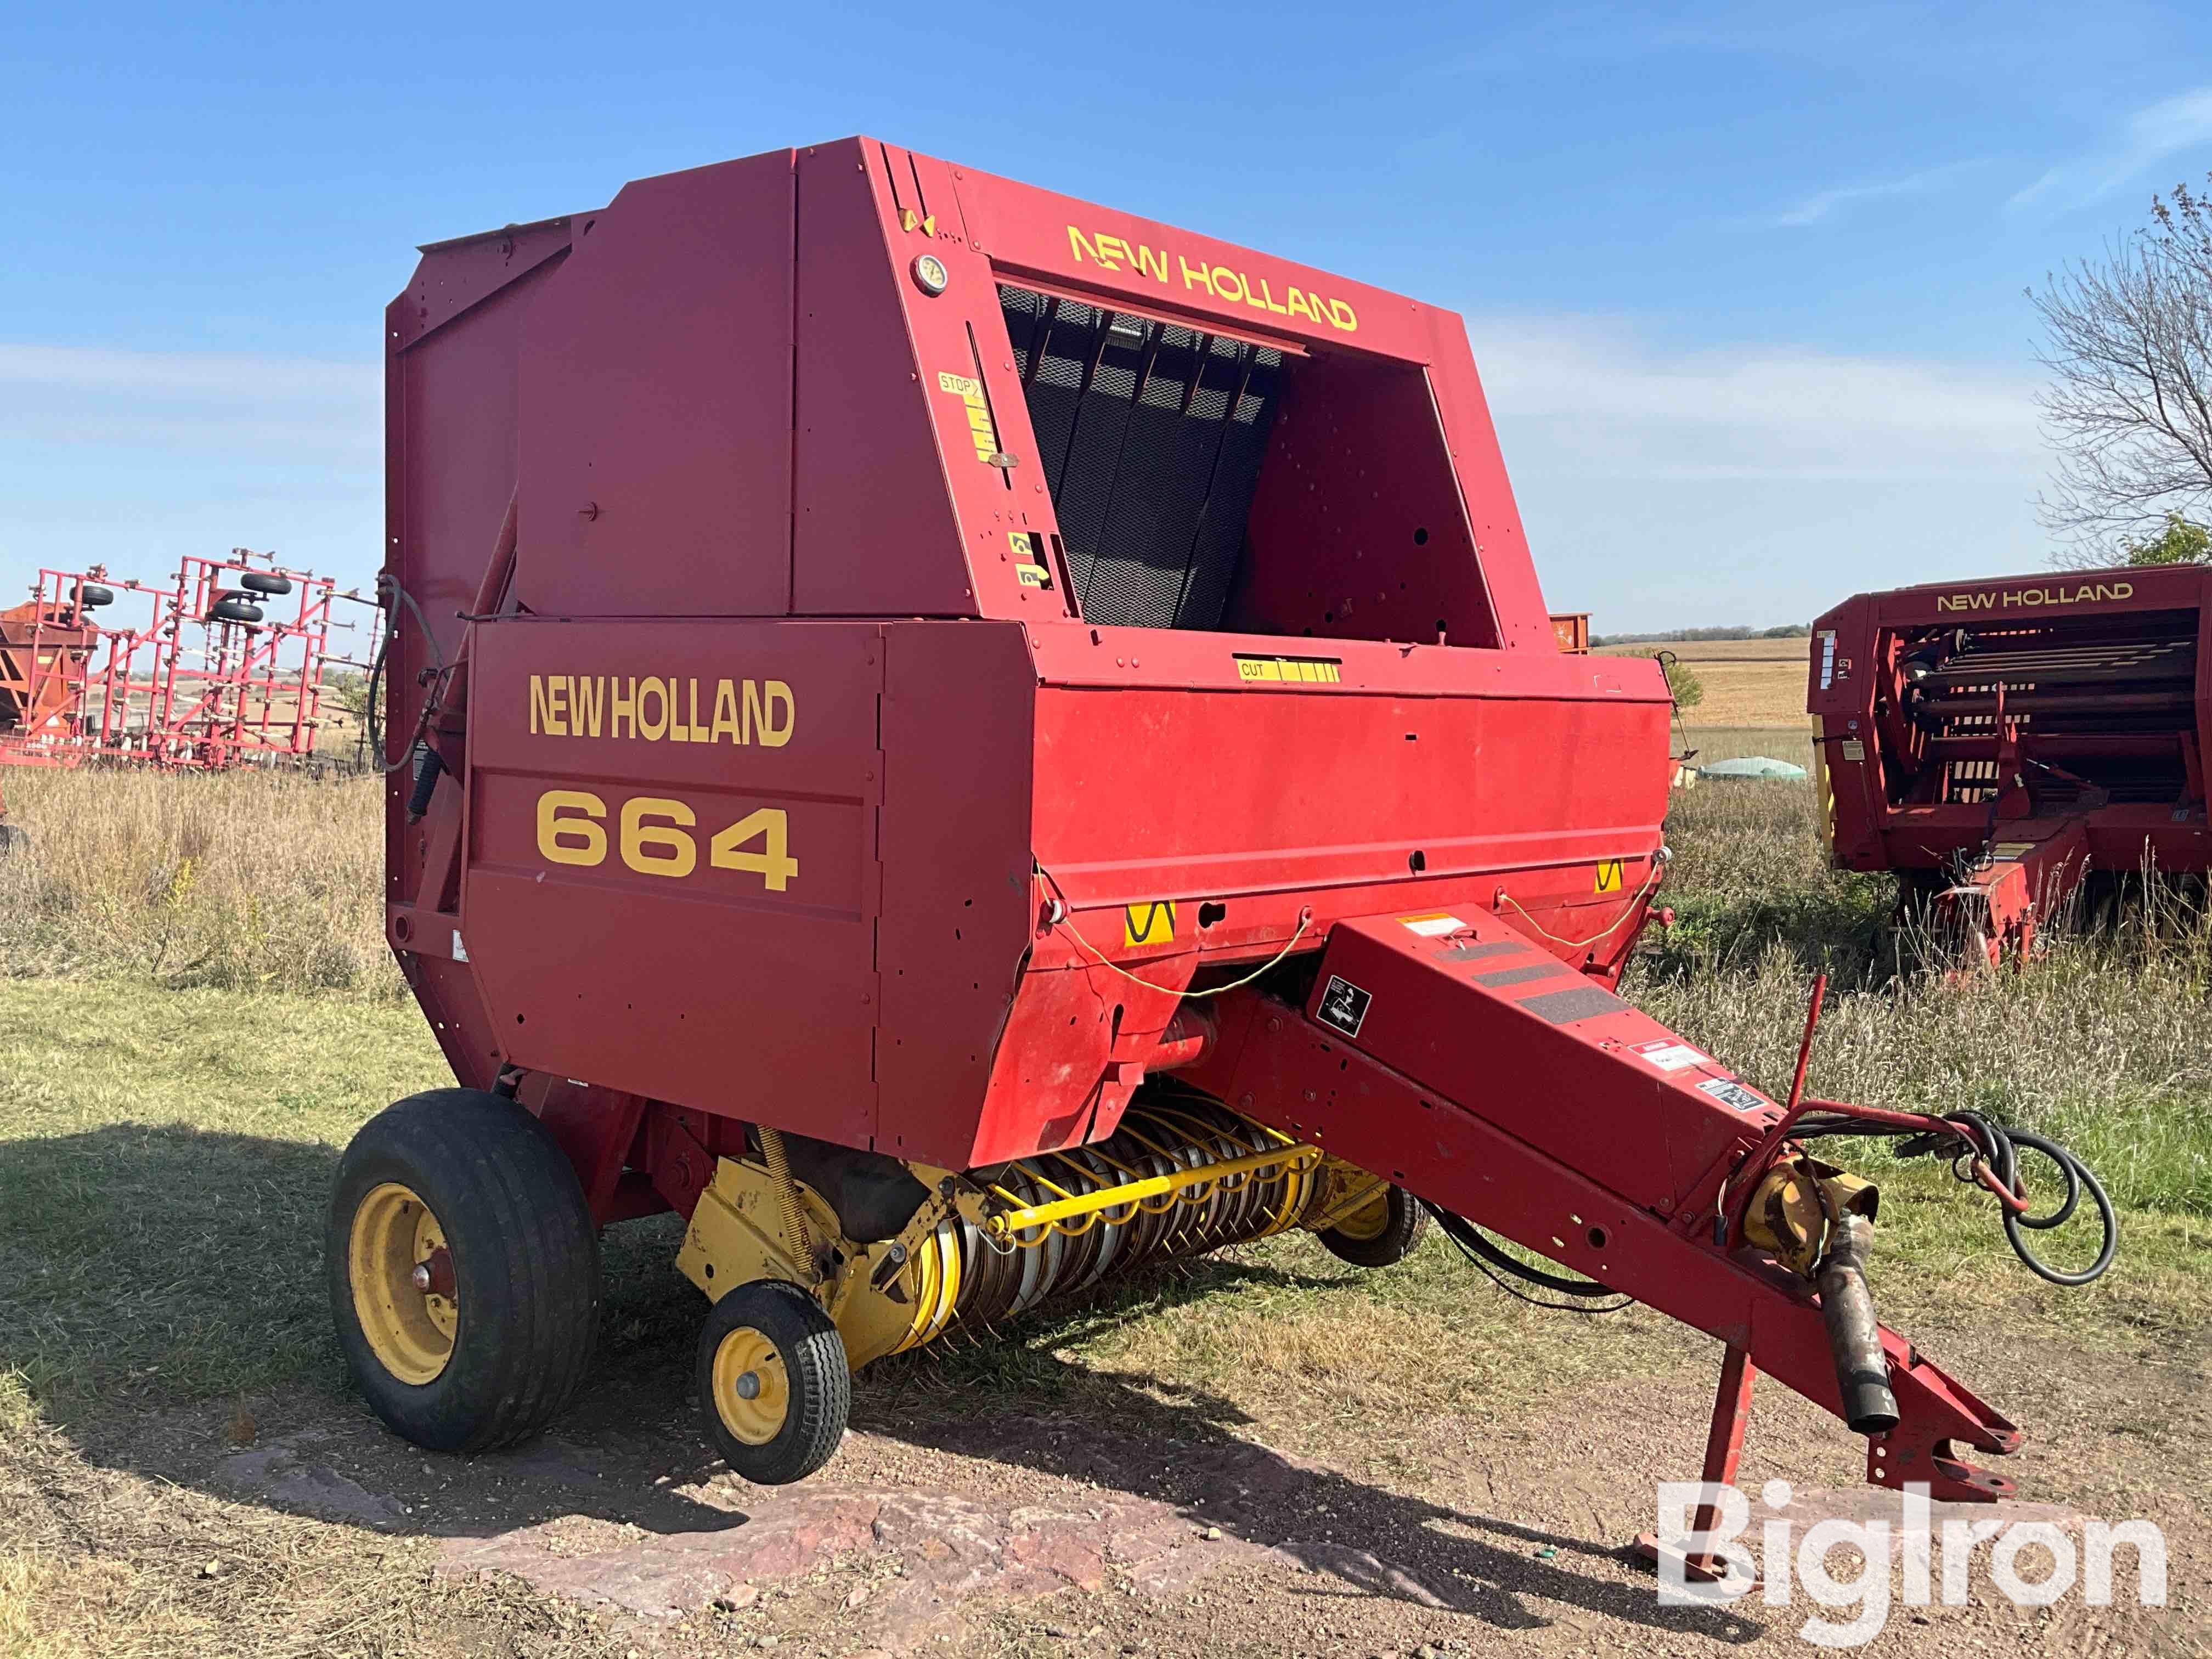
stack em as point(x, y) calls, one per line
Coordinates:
point(671, 886)
point(874, 531)
point(1509, 570)
point(957, 924)
point(451, 439)
point(454, 277)
point(656, 377)
point(1359, 459)
point(1229, 795)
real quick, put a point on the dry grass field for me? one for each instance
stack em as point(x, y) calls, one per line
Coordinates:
point(195, 1013)
point(1748, 683)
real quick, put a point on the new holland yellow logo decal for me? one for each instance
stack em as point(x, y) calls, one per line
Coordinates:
point(2032, 599)
point(1148, 924)
point(1222, 282)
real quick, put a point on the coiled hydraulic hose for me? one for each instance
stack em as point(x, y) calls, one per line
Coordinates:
point(1987, 1152)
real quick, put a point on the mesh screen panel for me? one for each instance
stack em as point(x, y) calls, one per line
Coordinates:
point(1152, 435)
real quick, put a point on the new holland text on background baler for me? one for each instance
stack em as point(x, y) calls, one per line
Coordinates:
point(2015, 744)
point(966, 741)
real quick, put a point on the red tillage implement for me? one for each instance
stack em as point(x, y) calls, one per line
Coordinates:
point(965, 741)
point(2006, 742)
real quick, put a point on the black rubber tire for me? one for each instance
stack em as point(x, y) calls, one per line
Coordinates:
point(14, 838)
point(92, 596)
point(525, 1259)
point(234, 610)
point(1400, 1237)
point(815, 1366)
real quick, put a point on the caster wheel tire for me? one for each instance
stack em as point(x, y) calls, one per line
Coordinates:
point(772, 1381)
point(263, 581)
point(464, 1270)
point(1386, 1230)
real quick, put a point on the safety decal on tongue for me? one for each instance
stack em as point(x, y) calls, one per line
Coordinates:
point(1431, 926)
point(1344, 1005)
point(1668, 1054)
point(1730, 1093)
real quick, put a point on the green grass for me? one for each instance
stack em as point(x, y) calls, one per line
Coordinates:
point(165, 1155)
point(165, 1160)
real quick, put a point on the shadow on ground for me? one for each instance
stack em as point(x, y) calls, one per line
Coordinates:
point(162, 1290)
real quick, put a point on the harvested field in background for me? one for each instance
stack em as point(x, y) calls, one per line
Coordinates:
point(1757, 683)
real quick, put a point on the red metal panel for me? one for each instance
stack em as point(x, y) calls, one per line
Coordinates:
point(957, 910)
point(656, 454)
point(457, 274)
point(1508, 569)
point(449, 475)
point(633, 964)
point(1484, 1014)
point(869, 475)
point(1358, 530)
point(1227, 793)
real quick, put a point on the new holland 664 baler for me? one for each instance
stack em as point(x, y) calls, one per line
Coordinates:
point(965, 741)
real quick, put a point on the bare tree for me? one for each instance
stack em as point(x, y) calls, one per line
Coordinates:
point(2129, 407)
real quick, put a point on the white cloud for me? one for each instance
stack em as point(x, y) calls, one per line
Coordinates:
point(1815, 208)
point(2148, 137)
point(1756, 484)
point(224, 377)
point(1620, 405)
point(130, 458)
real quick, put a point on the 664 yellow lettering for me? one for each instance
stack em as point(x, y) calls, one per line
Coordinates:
point(653, 837)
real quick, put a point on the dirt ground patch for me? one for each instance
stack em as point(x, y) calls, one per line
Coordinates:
point(1150, 1519)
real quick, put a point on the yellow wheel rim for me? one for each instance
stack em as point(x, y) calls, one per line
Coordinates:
point(1370, 1220)
point(752, 1390)
point(410, 1327)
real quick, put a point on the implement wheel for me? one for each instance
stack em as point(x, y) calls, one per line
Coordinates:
point(464, 1270)
point(772, 1381)
point(1387, 1229)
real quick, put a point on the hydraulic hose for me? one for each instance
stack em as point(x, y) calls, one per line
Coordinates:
point(1972, 1140)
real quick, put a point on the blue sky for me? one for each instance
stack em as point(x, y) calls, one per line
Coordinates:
point(1745, 281)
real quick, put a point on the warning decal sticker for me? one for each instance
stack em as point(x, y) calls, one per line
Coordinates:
point(1311, 670)
point(1431, 926)
point(1148, 924)
point(1608, 876)
point(1668, 1054)
point(1344, 1005)
point(969, 391)
point(1729, 1093)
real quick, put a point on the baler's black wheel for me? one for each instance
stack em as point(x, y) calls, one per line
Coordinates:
point(774, 1382)
point(464, 1270)
point(1386, 1230)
